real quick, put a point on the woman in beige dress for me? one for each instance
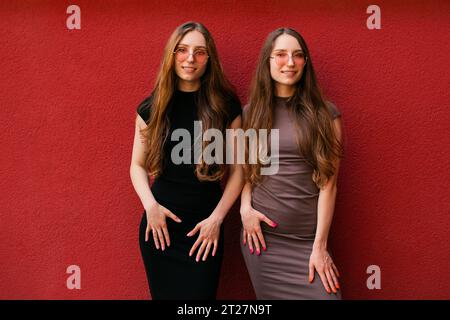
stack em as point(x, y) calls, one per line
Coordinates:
point(287, 216)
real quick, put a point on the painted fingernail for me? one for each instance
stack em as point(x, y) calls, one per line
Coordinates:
point(258, 252)
point(274, 224)
point(337, 286)
point(264, 248)
point(251, 251)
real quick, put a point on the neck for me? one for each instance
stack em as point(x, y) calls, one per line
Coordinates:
point(188, 86)
point(283, 90)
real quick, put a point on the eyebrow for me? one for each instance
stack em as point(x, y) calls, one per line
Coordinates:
point(284, 50)
point(186, 45)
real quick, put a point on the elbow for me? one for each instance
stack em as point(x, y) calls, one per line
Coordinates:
point(133, 167)
point(131, 170)
point(236, 170)
point(330, 187)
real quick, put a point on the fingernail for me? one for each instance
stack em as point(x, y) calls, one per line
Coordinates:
point(334, 290)
point(251, 251)
point(274, 225)
point(258, 252)
point(328, 290)
point(337, 286)
point(264, 248)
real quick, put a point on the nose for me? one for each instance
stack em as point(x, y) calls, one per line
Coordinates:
point(190, 57)
point(290, 61)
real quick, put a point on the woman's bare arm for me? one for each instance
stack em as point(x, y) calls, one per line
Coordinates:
point(156, 213)
point(138, 172)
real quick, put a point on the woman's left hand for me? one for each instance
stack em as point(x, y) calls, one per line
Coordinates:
point(322, 262)
point(208, 237)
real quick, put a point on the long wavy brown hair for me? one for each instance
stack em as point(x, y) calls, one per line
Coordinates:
point(315, 134)
point(213, 96)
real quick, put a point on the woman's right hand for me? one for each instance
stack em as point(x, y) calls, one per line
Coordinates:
point(251, 222)
point(156, 223)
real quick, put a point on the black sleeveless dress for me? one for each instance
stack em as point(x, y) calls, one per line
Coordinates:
point(172, 274)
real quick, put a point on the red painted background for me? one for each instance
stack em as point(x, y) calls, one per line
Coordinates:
point(68, 100)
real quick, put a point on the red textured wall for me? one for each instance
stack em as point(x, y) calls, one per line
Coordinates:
point(68, 100)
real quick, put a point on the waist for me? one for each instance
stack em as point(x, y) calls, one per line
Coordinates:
point(297, 219)
point(188, 199)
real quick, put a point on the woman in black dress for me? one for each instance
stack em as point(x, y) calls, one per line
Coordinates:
point(181, 232)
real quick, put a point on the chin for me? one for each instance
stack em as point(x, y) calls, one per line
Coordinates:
point(289, 82)
point(188, 77)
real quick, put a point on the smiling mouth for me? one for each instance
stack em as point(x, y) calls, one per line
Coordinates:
point(189, 68)
point(289, 72)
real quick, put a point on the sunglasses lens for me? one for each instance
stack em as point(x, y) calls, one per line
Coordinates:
point(299, 58)
point(200, 56)
point(281, 59)
point(181, 54)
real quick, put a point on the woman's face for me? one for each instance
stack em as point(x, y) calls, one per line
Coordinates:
point(191, 59)
point(286, 61)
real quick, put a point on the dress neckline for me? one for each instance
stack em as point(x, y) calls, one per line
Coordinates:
point(186, 93)
point(282, 98)
point(281, 101)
